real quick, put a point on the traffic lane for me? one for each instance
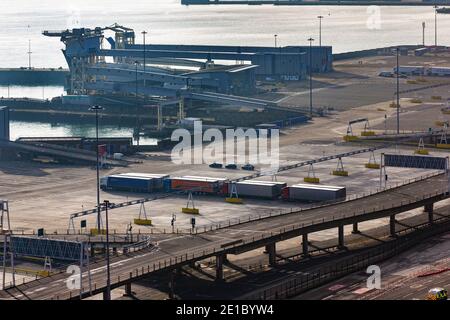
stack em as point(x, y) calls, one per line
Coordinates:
point(122, 268)
point(354, 287)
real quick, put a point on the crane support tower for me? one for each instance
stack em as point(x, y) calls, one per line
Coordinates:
point(372, 164)
point(234, 197)
point(350, 136)
point(367, 132)
point(143, 220)
point(421, 148)
point(340, 171)
point(190, 206)
point(443, 143)
point(5, 223)
point(311, 178)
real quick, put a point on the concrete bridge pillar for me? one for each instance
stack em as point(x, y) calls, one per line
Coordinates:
point(272, 251)
point(355, 228)
point(219, 267)
point(172, 284)
point(341, 237)
point(429, 208)
point(392, 225)
point(128, 289)
point(106, 295)
point(305, 249)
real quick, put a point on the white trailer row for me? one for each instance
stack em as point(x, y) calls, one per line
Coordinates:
point(314, 193)
point(298, 192)
point(259, 189)
point(148, 183)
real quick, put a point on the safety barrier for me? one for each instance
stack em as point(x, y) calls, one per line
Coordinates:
point(372, 165)
point(96, 232)
point(423, 152)
point(143, 222)
point(367, 133)
point(190, 210)
point(341, 173)
point(350, 138)
point(353, 264)
point(303, 282)
point(234, 200)
point(311, 180)
point(201, 254)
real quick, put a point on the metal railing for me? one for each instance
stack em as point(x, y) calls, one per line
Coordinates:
point(301, 283)
point(242, 220)
point(271, 214)
point(190, 257)
point(199, 254)
point(144, 243)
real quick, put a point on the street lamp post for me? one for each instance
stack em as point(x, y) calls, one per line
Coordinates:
point(137, 106)
point(29, 54)
point(99, 217)
point(320, 30)
point(423, 33)
point(310, 78)
point(108, 270)
point(435, 25)
point(144, 33)
point(398, 92)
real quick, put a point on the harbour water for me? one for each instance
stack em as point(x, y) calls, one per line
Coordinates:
point(85, 129)
point(37, 92)
point(50, 129)
point(167, 21)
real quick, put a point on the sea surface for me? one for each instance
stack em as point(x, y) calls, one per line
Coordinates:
point(59, 129)
point(346, 28)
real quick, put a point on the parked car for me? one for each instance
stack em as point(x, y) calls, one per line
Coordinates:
point(437, 294)
point(231, 166)
point(216, 165)
point(248, 167)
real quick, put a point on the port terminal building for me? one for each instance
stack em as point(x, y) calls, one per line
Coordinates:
point(116, 64)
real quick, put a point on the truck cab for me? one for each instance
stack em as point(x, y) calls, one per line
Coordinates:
point(104, 183)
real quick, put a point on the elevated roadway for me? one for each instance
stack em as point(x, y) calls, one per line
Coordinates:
point(206, 55)
point(182, 250)
point(225, 99)
point(130, 74)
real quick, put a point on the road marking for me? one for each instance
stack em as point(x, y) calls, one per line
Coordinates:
point(36, 290)
point(361, 291)
point(336, 287)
